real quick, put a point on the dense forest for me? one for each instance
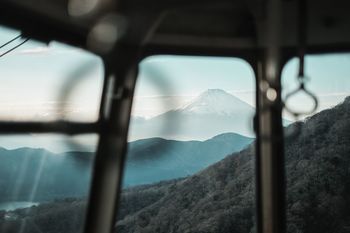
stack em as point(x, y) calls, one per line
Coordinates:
point(220, 198)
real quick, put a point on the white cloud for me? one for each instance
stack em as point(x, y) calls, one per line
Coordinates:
point(36, 50)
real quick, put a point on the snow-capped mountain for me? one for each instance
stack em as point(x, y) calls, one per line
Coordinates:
point(211, 113)
point(217, 102)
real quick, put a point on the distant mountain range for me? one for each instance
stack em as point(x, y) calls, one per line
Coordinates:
point(211, 113)
point(150, 159)
point(56, 143)
point(36, 174)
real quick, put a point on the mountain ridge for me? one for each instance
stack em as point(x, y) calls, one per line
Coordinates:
point(68, 174)
point(171, 159)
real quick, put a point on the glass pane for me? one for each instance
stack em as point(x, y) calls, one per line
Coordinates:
point(44, 182)
point(317, 153)
point(46, 82)
point(190, 162)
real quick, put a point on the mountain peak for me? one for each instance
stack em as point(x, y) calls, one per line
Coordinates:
point(216, 101)
point(215, 91)
point(213, 112)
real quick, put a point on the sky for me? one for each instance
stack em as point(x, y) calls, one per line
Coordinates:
point(35, 77)
point(328, 78)
point(169, 82)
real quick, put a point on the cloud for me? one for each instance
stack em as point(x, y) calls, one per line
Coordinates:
point(47, 50)
point(162, 96)
point(336, 94)
point(36, 50)
point(242, 92)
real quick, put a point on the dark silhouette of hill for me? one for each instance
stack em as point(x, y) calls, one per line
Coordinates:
point(220, 198)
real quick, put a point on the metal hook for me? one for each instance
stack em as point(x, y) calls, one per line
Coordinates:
point(301, 88)
point(296, 128)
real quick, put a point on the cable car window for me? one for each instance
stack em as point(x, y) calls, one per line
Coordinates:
point(45, 177)
point(47, 82)
point(190, 162)
point(317, 146)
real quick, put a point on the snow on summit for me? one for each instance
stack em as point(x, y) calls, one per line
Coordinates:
point(216, 101)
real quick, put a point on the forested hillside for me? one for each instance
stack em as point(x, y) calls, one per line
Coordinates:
point(221, 198)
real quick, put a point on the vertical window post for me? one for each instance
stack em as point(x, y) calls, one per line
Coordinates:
point(109, 163)
point(270, 162)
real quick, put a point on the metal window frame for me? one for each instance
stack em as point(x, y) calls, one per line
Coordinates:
point(113, 128)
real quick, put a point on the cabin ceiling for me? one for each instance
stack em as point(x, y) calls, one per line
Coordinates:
point(239, 25)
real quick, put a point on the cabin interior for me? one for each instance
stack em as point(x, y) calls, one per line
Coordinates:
point(174, 116)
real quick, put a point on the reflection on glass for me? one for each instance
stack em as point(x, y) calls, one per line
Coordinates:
point(44, 182)
point(190, 162)
point(46, 82)
point(317, 156)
